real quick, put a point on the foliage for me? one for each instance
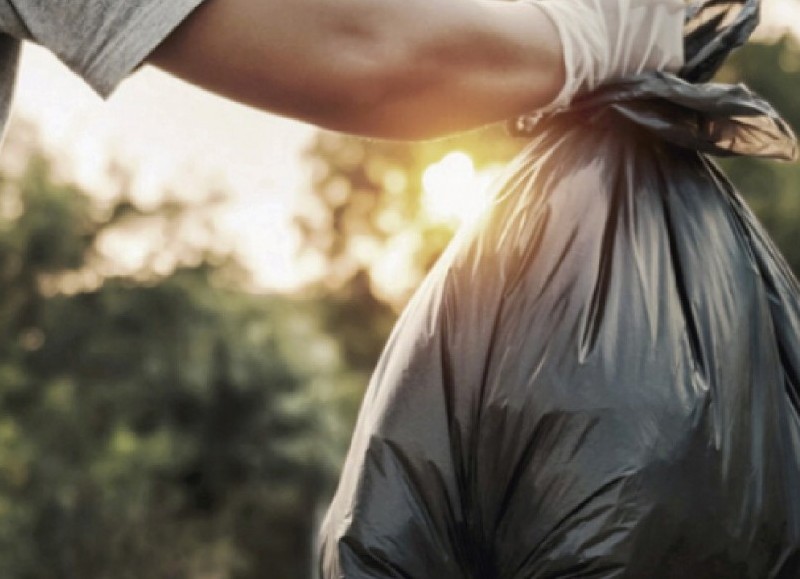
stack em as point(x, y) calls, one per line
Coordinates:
point(159, 428)
point(366, 194)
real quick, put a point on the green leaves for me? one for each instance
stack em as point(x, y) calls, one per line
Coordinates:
point(162, 425)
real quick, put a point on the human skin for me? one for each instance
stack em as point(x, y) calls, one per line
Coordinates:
point(392, 69)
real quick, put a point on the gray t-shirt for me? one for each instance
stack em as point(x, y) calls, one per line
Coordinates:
point(103, 41)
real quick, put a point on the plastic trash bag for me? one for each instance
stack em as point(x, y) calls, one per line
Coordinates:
point(601, 379)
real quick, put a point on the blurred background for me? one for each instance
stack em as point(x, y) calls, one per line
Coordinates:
point(193, 296)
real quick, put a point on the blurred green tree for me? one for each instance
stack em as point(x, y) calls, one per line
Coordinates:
point(167, 426)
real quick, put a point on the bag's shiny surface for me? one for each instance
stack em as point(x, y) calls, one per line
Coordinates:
point(602, 378)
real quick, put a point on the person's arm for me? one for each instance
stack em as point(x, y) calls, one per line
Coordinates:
point(398, 69)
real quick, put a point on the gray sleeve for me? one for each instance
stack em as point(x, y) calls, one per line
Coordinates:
point(103, 41)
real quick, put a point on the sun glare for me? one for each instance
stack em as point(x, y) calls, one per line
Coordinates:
point(453, 192)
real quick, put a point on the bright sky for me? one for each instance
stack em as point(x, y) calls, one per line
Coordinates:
point(174, 135)
point(778, 16)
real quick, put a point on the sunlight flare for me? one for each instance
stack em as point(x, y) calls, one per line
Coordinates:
point(453, 191)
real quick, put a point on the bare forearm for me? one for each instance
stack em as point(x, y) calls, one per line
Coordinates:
point(382, 68)
point(496, 60)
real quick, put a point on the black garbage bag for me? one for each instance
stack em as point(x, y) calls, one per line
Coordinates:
point(601, 378)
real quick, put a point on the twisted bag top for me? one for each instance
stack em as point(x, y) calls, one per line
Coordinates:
point(603, 40)
point(674, 100)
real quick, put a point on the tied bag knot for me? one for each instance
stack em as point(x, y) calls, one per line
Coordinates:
point(684, 108)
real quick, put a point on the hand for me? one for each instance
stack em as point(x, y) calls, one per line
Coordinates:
point(604, 40)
